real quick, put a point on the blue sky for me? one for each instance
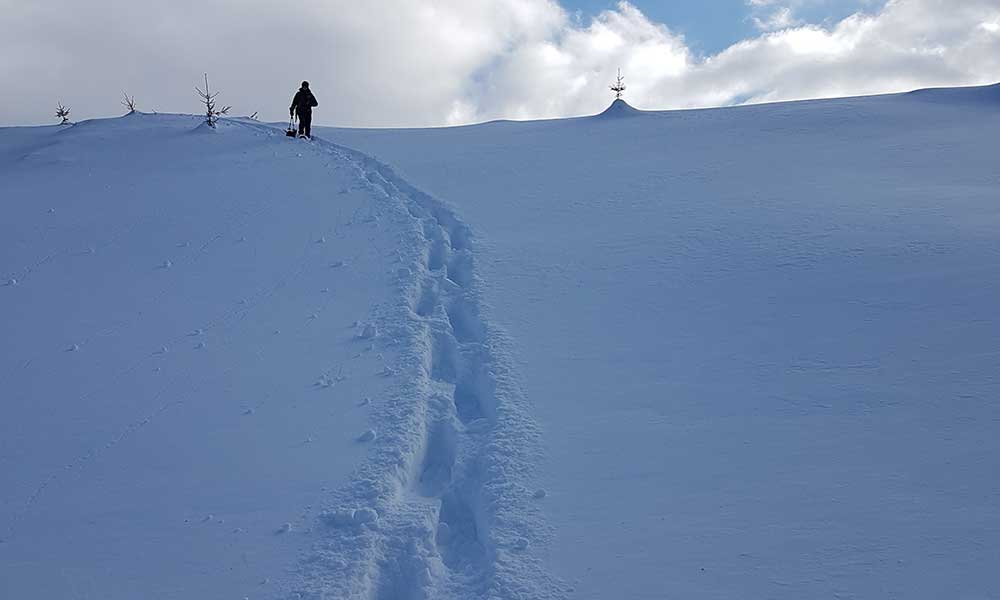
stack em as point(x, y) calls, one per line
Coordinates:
point(713, 25)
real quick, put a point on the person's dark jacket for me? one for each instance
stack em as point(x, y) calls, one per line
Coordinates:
point(303, 102)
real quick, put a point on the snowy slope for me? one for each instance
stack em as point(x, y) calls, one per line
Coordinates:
point(234, 365)
point(761, 343)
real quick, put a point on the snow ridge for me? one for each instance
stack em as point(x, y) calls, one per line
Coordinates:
point(442, 508)
point(619, 109)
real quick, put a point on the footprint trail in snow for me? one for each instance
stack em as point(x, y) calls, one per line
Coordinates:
point(442, 508)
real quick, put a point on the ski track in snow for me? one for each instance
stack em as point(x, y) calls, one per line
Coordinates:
point(441, 508)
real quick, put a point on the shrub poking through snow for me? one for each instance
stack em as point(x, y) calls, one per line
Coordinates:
point(212, 113)
point(619, 86)
point(128, 102)
point(62, 112)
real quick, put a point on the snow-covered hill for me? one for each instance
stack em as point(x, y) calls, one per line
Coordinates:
point(707, 354)
point(762, 342)
point(233, 365)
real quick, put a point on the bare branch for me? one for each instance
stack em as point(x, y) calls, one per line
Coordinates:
point(62, 112)
point(208, 99)
point(128, 102)
point(619, 86)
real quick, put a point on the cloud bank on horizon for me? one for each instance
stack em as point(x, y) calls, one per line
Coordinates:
point(442, 62)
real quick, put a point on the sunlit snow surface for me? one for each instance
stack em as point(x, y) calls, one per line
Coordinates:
point(240, 365)
point(763, 343)
point(737, 353)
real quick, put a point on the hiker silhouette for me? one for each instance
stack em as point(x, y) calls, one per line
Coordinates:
point(302, 105)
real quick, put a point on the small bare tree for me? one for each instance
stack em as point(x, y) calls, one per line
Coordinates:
point(63, 113)
point(128, 102)
point(212, 114)
point(619, 87)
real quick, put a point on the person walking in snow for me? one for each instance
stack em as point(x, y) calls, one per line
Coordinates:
point(302, 104)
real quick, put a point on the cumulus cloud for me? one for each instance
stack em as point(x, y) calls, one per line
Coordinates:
point(434, 62)
point(906, 45)
point(377, 62)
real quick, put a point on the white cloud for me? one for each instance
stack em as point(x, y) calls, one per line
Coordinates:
point(772, 15)
point(781, 18)
point(429, 62)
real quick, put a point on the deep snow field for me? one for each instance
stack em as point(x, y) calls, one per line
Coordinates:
point(731, 353)
point(762, 343)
